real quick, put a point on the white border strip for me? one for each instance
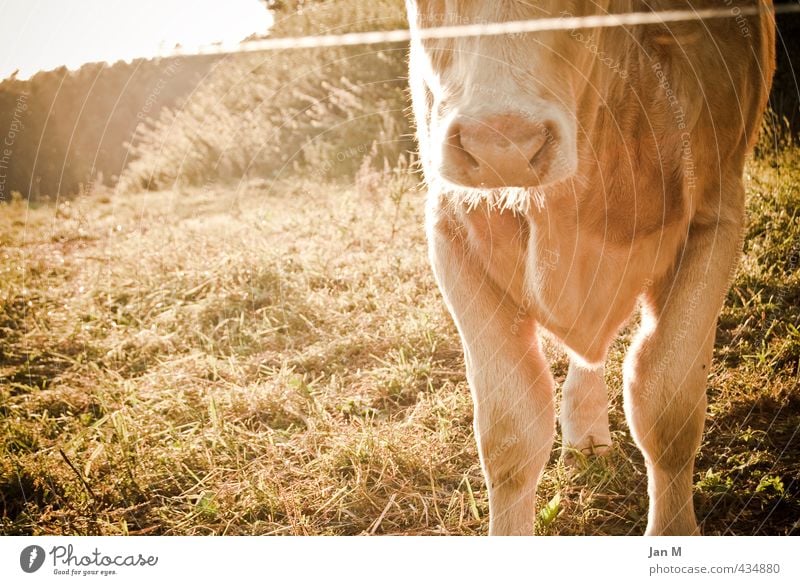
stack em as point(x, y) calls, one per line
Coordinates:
point(400, 560)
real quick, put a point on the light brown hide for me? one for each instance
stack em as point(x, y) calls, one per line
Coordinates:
point(647, 210)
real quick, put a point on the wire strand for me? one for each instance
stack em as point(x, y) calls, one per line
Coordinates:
point(474, 30)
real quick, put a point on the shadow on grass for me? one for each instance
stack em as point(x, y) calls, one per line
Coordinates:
point(749, 470)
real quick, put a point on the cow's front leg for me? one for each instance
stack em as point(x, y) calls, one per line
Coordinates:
point(512, 387)
point(666, 370)
point(584, 412)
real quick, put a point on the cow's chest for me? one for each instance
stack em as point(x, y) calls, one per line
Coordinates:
point(568, 277)
point(581, 287)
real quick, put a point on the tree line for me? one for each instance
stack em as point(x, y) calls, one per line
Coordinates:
point(63, 131)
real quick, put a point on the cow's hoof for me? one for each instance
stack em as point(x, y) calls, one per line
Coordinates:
point(591, 447)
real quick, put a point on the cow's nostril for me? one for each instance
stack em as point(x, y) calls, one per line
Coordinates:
point(457, 150)
point(538, 157)
point(547, 136)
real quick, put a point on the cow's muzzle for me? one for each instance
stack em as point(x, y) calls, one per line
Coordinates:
point(503, 150)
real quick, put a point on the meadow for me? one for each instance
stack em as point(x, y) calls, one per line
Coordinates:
point(273, 357)
point(236, 330)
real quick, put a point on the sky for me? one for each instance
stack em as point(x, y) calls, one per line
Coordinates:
point(39, 35)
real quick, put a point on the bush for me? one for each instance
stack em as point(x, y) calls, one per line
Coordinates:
point(266, 114)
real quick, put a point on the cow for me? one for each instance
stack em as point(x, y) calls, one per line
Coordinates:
point(577, 180)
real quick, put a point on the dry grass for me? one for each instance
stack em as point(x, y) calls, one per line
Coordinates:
point(277, 360)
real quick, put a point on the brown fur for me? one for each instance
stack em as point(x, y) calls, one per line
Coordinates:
point(651, 213)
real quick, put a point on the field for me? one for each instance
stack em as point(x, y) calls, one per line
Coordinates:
point(275, 358)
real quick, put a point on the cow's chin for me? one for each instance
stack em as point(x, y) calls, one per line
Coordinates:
point(516, 198)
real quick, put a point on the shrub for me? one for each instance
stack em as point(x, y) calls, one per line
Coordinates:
point(266, 114)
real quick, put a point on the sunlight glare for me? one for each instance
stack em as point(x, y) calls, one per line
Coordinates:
point(38, 35)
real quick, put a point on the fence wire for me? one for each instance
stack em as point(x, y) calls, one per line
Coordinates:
point(483, 29)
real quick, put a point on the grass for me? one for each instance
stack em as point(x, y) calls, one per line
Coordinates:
point(276, 359)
